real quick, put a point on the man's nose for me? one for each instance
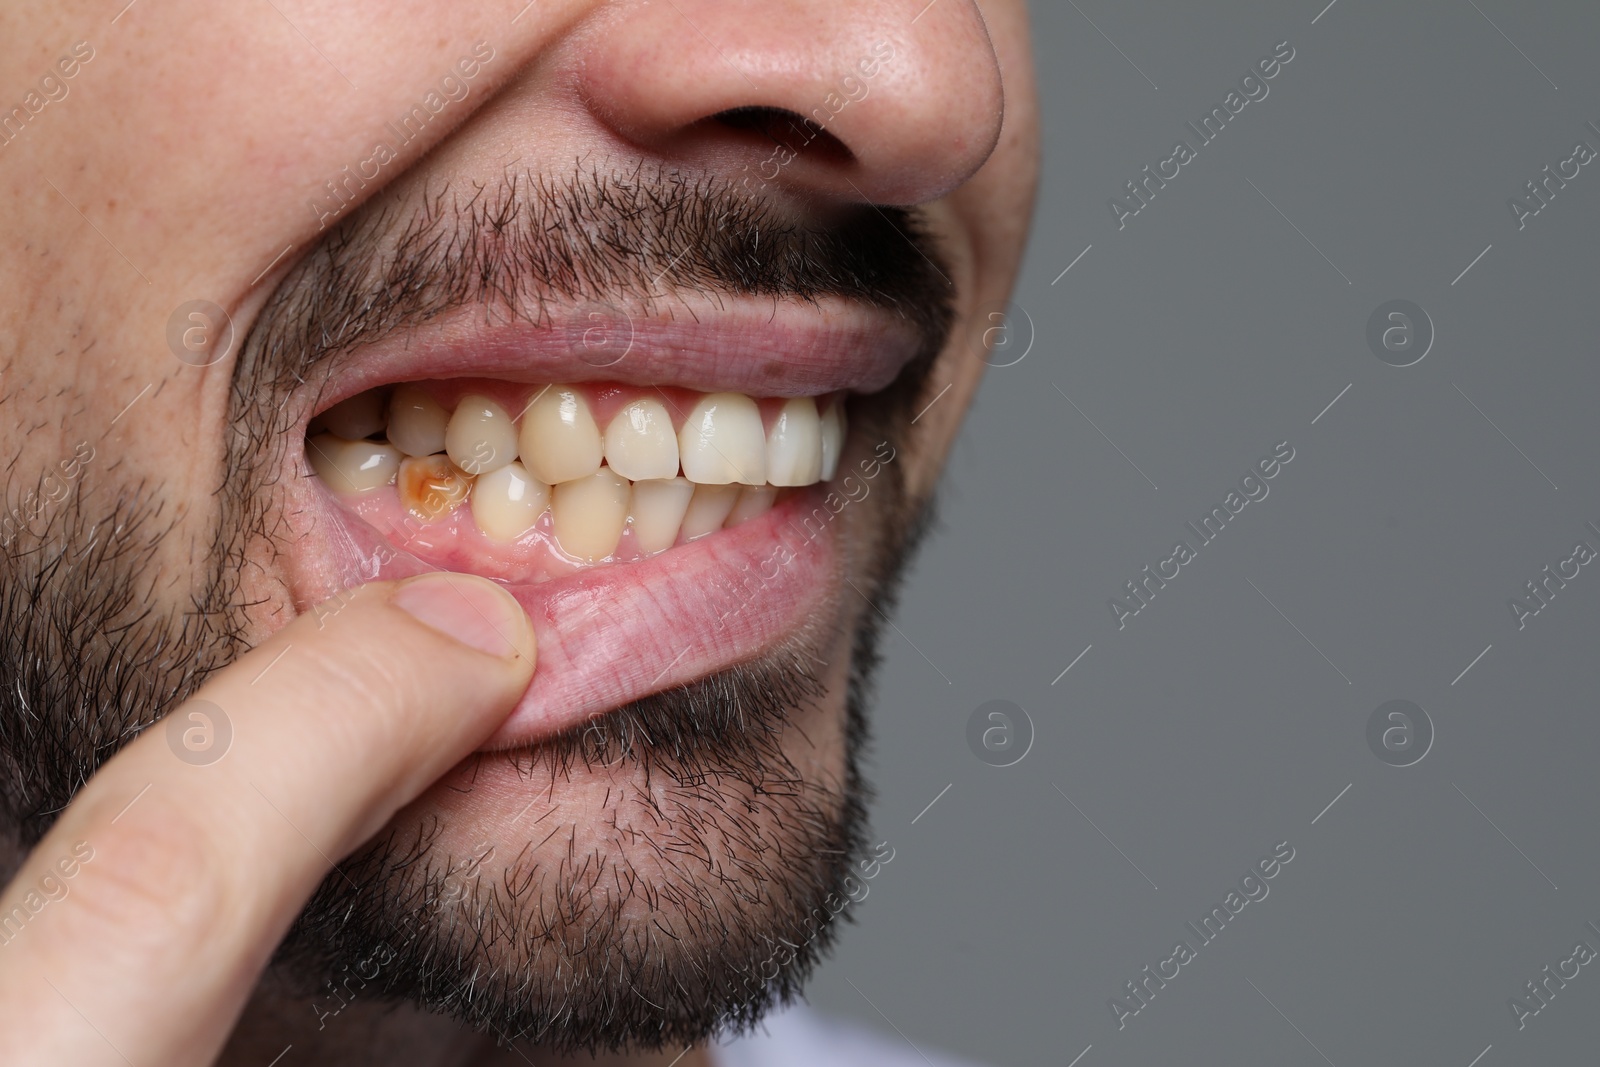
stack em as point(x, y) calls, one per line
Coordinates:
point(894, 102)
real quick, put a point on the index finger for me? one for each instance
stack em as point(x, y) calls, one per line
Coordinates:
point(191, 855)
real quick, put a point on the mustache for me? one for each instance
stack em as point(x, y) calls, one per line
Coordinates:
point(528, 244)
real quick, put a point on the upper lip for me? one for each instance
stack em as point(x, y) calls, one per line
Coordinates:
point(770, 347)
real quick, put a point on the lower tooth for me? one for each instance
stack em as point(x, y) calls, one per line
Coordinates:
point(754, 501)
point(432, 486)
point(590, 513)
point(507, 503)
point(352, 466)
point(657, 508)
point(707, 508)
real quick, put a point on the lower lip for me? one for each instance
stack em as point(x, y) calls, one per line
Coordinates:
point(612, 634)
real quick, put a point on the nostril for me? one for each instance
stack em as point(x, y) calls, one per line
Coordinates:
point(790, 129)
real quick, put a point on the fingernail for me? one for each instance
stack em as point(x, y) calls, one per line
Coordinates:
point(473, 610)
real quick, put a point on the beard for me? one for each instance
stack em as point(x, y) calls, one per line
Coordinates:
point(701, 890)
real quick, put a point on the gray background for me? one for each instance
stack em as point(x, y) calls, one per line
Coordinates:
point(1209, 729)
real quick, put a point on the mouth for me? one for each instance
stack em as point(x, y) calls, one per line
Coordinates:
point(663, 504)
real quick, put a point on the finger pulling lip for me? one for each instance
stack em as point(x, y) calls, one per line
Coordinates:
point(613, 634)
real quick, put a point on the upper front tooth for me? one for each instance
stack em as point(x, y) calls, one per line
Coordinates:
point(355, 418)
point(352, 466)
point(507, 503)
point(722, 441)
point(657, 508)
point(416, 421)
point(589, 514)
point(481, 436)
point(560, 441)
point(832, 438)
point(794, 444)
point(640, 443)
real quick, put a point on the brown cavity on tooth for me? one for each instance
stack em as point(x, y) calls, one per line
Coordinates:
point(431, 487)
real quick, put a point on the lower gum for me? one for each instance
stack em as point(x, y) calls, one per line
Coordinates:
point(454, 542)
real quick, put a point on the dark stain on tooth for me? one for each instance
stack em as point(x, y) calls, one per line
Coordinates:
point(432, 486)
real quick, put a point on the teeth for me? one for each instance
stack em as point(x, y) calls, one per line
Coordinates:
point(416, 422)
point(507, 503)
point(794, 444)
point(480, 437)
point(707, 508)
point(596, 484)
point(754, 501)
point(431, 486)
point(560, 441)
point(352, 466)
point(657, 509)
point(833, 430)
point(722, 441)
point(640, 443)
point(360, 416)
point(590, 514)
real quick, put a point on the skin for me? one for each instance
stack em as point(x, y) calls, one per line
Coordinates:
point(179, 167)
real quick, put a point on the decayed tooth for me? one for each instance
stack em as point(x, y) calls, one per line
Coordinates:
point(640, 443)
point(707, 508)
point(657, 508)
point(352, 466)
point(722, 441)
point(481, 437)
point(590, 513)
point(355, 418)
point(507, 503)
point(832, 438)
point(754, 501)
point(416, 421)
point(431, 486)
point(794, 444)
point(560, 441)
